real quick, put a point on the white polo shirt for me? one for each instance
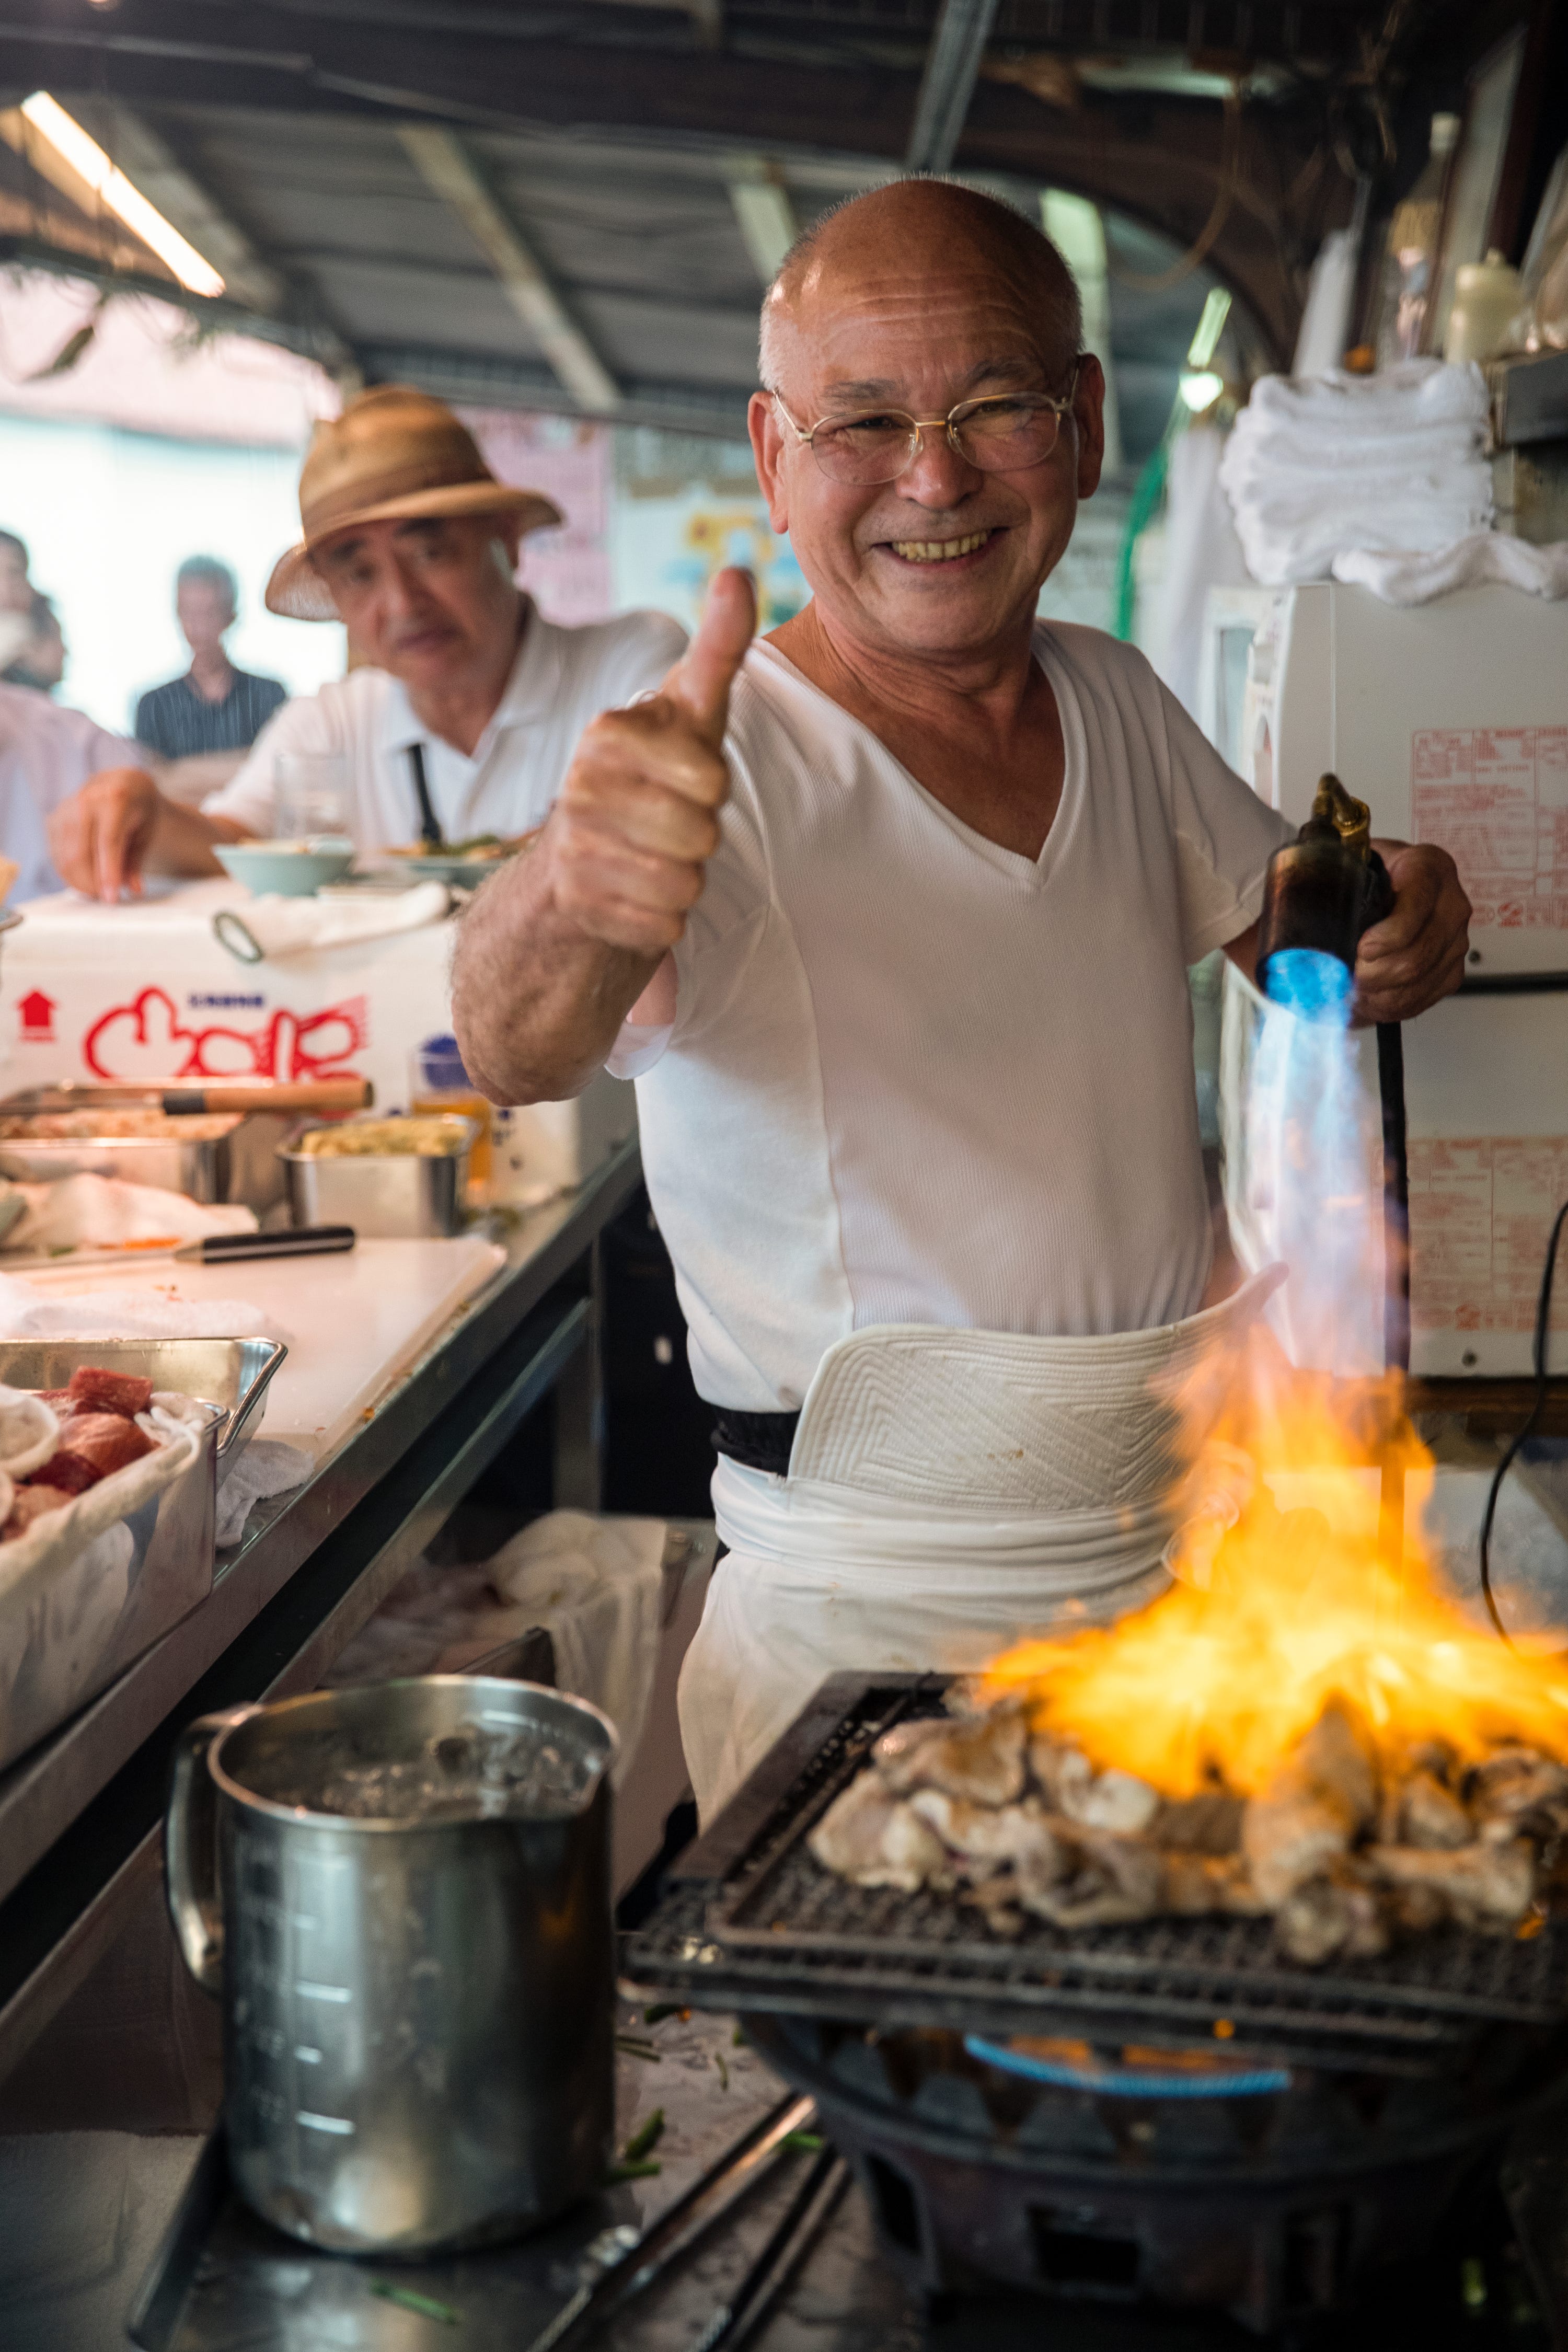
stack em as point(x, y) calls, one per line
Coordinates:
point(562, 679)
point(46, 754)
point(914, 1077)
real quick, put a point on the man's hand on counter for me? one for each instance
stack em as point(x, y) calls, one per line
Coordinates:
point(1416, 955)
point(554, 953)
point(120, 823)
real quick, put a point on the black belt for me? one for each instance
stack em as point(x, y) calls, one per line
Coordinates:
point(761, 1441)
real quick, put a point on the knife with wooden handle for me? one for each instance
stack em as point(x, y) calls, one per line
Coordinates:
point(212, 1095)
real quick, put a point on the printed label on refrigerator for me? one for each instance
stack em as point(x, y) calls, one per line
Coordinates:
point(1496, 798)
point(1480, 1216)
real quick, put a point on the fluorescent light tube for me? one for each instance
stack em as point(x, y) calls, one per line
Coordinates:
point(108, 182)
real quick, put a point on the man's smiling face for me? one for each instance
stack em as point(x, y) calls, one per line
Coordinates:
point(913, 302)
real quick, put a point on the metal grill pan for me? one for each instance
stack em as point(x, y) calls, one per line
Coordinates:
point(755, 1920)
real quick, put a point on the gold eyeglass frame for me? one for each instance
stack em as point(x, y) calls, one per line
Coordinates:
point(806, 437)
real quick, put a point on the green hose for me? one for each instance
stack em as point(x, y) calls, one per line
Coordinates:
point(1147, 492)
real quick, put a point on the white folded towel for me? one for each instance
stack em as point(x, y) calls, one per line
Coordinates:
point(1391, 462)
point(1396, 401)
point(1415, 576)
point(272, 928)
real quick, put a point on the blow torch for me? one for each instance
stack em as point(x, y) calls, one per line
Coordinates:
point(1321, 892)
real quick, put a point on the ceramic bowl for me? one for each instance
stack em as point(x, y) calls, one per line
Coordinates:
point(286, 869)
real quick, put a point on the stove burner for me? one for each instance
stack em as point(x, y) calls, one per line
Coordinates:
point(1272, 2194)
point(1164, 2112)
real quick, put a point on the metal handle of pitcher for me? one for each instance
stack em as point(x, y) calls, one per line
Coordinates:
point(189, 1849)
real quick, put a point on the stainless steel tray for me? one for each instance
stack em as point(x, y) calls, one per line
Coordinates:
point(231, 1374)
point(385, 1196)
point(241, 1166)
point(65, 1636)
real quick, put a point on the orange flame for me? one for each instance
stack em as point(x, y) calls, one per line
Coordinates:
point(1280, 1611)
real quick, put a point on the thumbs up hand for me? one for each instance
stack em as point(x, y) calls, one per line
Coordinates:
point(637, 819)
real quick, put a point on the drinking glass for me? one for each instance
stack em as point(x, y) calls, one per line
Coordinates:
point(311, 791)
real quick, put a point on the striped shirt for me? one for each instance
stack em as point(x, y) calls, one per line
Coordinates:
point(179, 722)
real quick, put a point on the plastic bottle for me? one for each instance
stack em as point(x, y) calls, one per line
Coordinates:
point(1410, 265)
point(1488, 296)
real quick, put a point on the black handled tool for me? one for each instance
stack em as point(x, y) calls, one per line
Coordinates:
point(636, 2260)
point(809, 2212)
point(298, 1241)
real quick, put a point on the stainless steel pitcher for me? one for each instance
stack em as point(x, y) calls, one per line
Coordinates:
point(418, 2015)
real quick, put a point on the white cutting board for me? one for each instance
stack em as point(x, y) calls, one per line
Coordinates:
point(352, 1324)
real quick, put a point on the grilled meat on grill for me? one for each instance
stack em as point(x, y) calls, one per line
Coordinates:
point(982, 1835)
point(1347, 1849)
point(981, 1758)
point(868, 1835)
point(1482, 1885)
point(1100, 1800)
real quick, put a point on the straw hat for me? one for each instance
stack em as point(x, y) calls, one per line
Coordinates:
point(393, 453)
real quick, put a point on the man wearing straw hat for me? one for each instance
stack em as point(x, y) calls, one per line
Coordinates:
point(469, 703)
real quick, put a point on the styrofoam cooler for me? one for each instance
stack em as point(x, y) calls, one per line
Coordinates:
point(144, 994)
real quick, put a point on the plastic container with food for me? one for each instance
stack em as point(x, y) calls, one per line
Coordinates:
point(391, 1179)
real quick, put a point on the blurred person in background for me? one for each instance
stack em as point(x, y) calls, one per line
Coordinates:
point(214, 706)
point(469, 703)
point(40, 661)
point(15, 588)
point(16, 593)
point(46, 754)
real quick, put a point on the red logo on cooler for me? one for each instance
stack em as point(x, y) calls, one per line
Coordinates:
point(38, 1018)
point(146, 1040)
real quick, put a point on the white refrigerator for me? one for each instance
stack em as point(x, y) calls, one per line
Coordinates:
point(1450, 719)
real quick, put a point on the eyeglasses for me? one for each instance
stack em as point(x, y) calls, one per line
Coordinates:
point(1002, 435)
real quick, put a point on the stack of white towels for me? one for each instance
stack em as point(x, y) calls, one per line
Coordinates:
point(1318, 466)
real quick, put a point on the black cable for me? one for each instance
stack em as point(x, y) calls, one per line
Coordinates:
point(1542, 1339)
point(1396, 1197)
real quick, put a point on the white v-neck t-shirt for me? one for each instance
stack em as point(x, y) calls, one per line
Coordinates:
point(914, 1077)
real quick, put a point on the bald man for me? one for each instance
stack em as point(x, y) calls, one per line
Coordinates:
point(889, 915)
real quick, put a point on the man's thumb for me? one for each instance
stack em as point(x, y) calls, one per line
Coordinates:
point(701, 679)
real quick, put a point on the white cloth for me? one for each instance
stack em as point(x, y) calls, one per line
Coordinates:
point(30, 1313)
point(1411, 577)
point(948, 1493)
point(916, 1078)
point(46, 754)
point(265, 1467)
point(596, 1586)
point(1201, 552)
point(272, 928)
point(88, 1211)
point(1318, 464)
point(562, 679)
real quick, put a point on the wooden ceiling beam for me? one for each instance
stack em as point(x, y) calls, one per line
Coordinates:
point(1158, 160)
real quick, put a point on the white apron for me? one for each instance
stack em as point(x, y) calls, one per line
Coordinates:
point(948, 1493)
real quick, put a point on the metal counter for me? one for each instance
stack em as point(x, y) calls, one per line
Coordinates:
point(80, 1815)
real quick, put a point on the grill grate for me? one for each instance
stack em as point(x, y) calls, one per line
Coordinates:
point(754, 1920)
